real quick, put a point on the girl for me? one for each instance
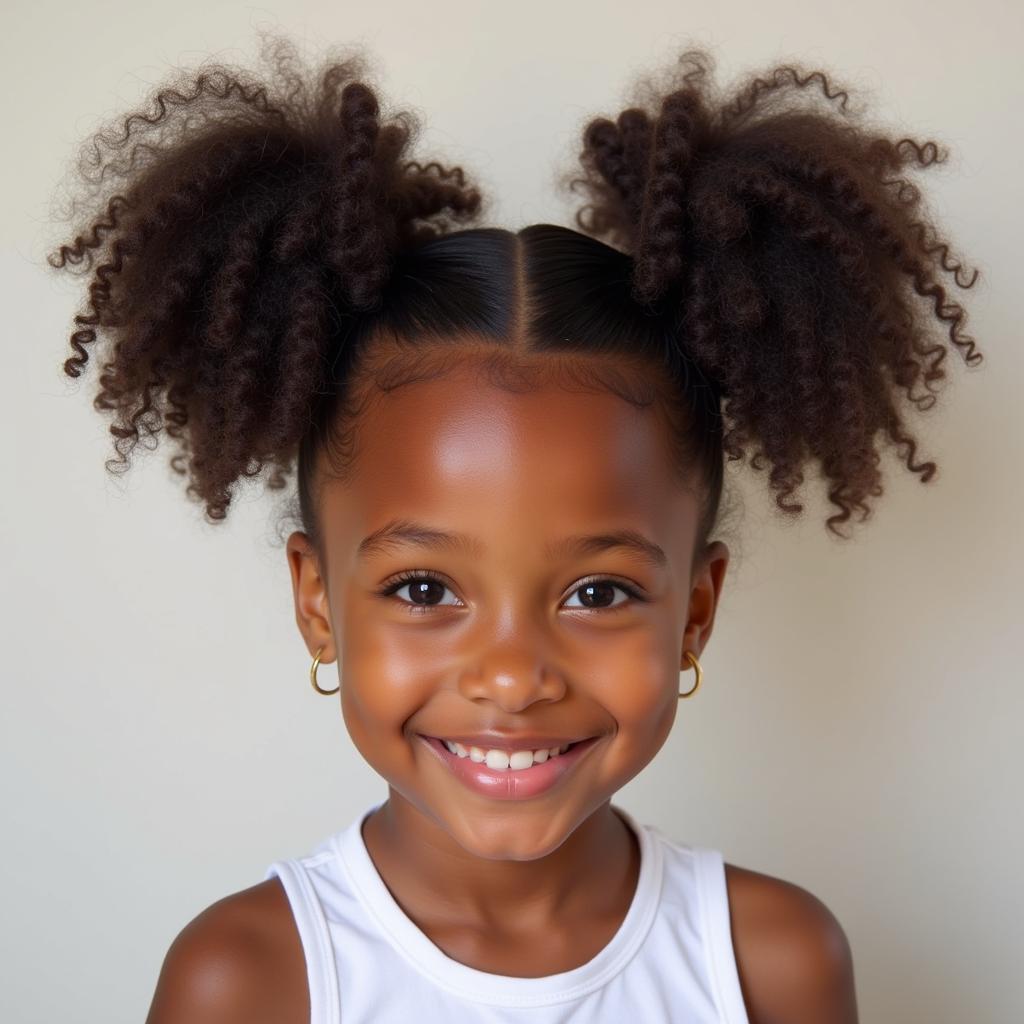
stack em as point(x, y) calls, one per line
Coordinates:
point(509, 449)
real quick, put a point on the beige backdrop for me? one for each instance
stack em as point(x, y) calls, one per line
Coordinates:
point(860, 727)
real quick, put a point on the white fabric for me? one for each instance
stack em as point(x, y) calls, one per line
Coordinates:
point(671, 959)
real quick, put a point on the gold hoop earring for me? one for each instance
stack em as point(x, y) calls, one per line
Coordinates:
point(696, 667)
point(312, 677)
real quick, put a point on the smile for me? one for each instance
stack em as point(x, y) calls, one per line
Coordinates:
point(499, 759)
point(496, 775)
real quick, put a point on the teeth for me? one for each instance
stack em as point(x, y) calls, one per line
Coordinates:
point(501, 760)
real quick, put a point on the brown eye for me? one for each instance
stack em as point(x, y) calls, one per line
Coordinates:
point(425, 589)
point(600, 593)
point(426, 592)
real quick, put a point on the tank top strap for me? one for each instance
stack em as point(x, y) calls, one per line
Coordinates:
point(321, 972)
point(714, 902)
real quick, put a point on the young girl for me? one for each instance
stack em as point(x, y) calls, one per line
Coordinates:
point(509, 451)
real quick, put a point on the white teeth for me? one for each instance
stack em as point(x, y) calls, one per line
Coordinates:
point(500, 760)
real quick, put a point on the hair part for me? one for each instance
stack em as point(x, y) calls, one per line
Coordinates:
point(506, 302)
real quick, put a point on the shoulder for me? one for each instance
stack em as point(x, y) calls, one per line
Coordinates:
point(792, 955)
point(239, 960)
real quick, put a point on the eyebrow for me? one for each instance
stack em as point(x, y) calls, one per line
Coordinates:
point(397, 532)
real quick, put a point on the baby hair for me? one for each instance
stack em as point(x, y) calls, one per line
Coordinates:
point(263, 253)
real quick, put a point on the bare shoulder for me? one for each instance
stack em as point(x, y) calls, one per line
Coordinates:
point(238, 960)
point(792, 955)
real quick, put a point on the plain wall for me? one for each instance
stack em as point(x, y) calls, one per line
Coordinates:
point(859, 730)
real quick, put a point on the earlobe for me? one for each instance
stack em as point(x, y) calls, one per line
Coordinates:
point(309, 591)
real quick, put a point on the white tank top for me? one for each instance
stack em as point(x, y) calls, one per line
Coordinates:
point(670, 960)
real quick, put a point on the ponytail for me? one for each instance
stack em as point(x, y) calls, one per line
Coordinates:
point(800, 266)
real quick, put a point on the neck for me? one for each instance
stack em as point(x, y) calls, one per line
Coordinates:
point(438, 882)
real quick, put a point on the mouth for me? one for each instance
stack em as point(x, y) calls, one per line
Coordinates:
point(502, 778)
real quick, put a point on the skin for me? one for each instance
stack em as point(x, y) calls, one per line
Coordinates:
point(507, 639)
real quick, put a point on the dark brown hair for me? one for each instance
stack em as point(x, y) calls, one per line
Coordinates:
point(256, 247)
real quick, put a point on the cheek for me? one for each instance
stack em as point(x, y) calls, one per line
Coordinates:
point(639, 691)
point(382, 686)
point(635, 681)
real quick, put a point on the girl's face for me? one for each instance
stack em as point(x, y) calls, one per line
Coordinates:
point(512, 621)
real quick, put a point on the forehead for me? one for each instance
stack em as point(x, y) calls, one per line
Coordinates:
point(463, 453)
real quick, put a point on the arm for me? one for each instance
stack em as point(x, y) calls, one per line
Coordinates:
point(792, 955)
point(239, 961)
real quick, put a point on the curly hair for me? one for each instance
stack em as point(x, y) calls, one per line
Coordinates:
point(263, 251)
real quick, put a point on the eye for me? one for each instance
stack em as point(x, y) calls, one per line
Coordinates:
point(596, 589)
point(424, 586)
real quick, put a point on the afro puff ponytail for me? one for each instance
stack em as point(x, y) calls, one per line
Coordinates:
point(253, 224)
point(799, 263)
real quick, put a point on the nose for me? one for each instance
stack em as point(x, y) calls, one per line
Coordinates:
point(513, 676)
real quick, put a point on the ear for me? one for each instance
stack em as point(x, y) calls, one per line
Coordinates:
point(709, 572)
point(312, 612)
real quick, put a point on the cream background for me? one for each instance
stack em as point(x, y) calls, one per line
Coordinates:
point(859, 731)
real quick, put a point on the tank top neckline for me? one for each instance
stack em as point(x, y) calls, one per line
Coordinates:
point(500, 989)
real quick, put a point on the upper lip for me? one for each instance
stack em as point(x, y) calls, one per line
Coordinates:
point(509, 741)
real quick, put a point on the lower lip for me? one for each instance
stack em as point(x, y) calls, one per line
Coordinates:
point(519, 784)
